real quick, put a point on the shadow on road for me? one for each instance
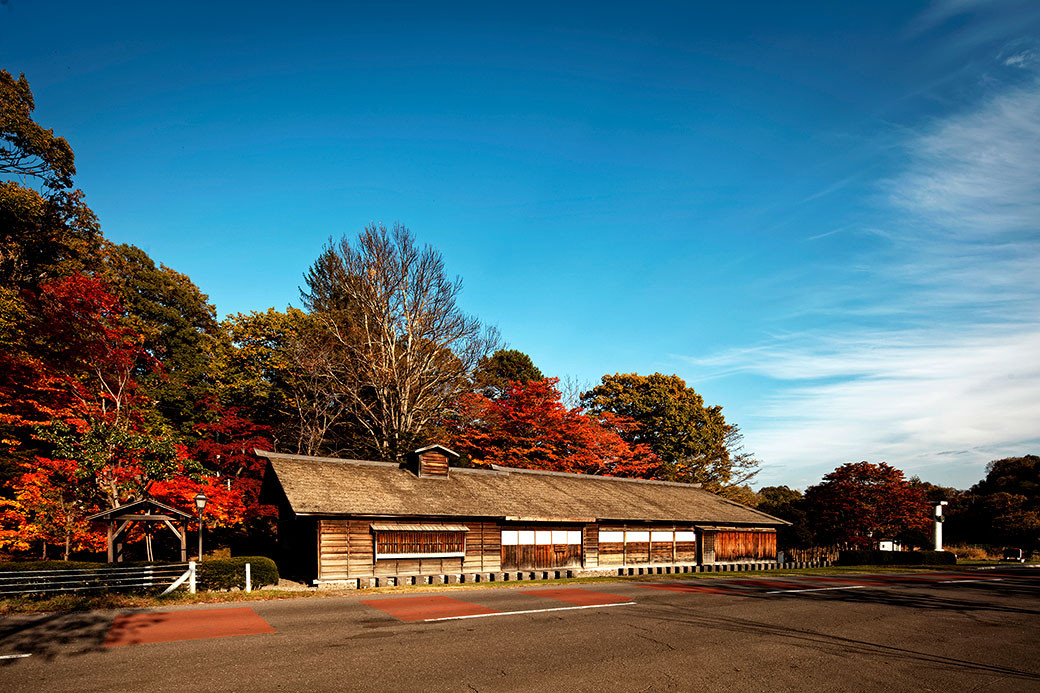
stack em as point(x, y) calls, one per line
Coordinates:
point(48, 635)
point(843, 646)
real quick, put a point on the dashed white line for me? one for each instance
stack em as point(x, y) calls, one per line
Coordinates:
point(527, 611)
point(16, 656)
point(946, 582)
point(819, 589)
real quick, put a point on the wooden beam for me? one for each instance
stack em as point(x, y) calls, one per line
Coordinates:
point(111, 552)
point(119, 530)
point(172, 528)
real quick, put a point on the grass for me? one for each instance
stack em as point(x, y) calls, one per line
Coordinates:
point(73, 603)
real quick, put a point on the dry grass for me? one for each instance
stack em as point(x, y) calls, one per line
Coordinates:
point(974, 553)
point(70, 603)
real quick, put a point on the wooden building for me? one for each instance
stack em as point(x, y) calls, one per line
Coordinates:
point(341, 520)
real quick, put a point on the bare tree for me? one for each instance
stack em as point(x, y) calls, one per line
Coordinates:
point(407, 349)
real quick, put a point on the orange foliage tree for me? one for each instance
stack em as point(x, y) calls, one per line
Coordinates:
point(529, 427)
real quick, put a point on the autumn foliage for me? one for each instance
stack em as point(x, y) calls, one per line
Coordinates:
point(529, 427)
point(860, 502)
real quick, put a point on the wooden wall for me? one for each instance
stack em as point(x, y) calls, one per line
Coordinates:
point(345, 549)
point(628, 544)
point(734, 545)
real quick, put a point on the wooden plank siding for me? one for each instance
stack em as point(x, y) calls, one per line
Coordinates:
point(333, 545)
point(645, 544)
point(433, 464)
point(590, 546)
point(733, 545)
point(543, 551)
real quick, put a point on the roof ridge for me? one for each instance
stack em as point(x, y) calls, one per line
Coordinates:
point(626, 479)
point(312, 458)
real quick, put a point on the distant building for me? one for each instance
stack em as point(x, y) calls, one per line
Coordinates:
point(341, 520)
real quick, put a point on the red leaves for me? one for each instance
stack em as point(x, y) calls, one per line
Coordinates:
point(529, 427)
point(861, 499)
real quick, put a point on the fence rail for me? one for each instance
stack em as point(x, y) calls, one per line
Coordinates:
point(73, 580)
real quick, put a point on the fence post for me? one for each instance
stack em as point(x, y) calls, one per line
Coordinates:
point(249, 581)
point(191, 577)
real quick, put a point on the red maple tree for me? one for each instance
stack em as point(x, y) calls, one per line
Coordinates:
point(859, 503)
point(529, 427)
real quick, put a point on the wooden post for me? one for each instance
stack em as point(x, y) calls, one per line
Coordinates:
point(111, 551)
point(184, 541)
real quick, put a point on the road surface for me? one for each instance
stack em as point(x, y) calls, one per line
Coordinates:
point(951, 631)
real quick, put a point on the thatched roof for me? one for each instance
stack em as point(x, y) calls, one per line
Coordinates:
point(329, 486)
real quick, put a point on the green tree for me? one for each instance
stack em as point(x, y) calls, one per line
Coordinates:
point(496, 373)
point(282, 370)
point(787, 504)
point(1003, 508)
point(26, 148)
point(693, 440)
point(43, 234)
point(180, 331)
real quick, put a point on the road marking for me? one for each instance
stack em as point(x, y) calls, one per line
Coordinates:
point(15, 656)
point(528, 611)
point(819, 589)
point(946, 582)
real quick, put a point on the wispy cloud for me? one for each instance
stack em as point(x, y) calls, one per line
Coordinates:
point(956, 382)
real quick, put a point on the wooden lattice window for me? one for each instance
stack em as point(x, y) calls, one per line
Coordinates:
point(420, 541)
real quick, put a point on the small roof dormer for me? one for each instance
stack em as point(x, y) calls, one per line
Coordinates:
point(432, 460)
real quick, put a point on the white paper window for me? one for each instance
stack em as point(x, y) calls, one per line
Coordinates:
point(574, 536)
point(638, 536)
point(559, 536)
point(526, 537)
point(510, 537)
point(543, 537)
point(661, 536)
point(686, 536)
point(611, 537)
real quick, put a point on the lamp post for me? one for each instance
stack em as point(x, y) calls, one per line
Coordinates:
point(938, 525)
point(200, 503)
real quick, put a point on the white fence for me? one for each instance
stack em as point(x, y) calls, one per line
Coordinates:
point(168, 577)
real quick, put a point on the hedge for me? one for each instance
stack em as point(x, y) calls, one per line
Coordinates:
point(896, 558)
point(227, 573)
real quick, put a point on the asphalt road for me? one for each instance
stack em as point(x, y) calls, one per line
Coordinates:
point(914, 632)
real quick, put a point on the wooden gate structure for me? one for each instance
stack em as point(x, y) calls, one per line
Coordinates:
point(146, 510)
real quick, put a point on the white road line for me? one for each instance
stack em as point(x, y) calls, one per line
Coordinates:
point(946, 582)
point(819, 589)
point(16, 656)
point(528, 611)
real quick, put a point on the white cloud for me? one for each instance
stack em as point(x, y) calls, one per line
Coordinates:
point(957, 383)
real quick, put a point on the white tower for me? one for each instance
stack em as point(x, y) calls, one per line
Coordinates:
point(938, 525)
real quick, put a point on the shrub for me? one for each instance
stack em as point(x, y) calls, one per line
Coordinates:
point(974, 553)
point(227, 573)
point(896, 558)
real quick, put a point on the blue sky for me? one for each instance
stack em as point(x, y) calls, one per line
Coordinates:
point(823, 216)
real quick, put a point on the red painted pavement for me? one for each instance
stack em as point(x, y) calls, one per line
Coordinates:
point(171, 626)
point(424, 608)
point(682, 587)
point(579, 597)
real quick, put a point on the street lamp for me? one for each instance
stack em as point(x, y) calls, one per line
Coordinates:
point(200, 503)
